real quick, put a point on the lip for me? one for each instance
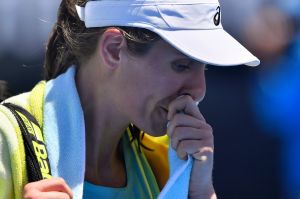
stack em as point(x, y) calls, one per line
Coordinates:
point(165, 109)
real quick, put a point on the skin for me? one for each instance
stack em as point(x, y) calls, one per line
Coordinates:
point(53, 188)
point(158, 93)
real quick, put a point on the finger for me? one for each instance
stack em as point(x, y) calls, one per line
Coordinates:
point(54, 195)
point(47, 195)
point(184, 104)
point(182, 120)
point(188, 133)
point(190, 147)
point(204, 154)
point(59, 184)
point(182, 154)
point(48, 185)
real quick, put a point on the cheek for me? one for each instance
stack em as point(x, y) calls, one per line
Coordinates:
point(151, 118)
point(158, 122)
point(154, 115)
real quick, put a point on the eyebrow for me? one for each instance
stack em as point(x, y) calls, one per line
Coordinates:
point(190, 60)
point(177, 52)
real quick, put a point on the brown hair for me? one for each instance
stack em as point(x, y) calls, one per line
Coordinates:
point(71, 42)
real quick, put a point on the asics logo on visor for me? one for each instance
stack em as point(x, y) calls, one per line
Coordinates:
point(217, 17)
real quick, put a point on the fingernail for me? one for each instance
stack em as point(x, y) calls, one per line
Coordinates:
point(203, 158)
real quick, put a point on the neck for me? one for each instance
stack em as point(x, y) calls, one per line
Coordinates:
point(104, 126)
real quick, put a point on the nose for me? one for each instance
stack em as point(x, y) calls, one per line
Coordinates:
point(195, 85)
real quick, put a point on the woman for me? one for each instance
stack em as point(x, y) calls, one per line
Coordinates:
point(112, 68)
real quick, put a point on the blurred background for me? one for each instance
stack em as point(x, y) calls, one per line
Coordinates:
point(254, 111)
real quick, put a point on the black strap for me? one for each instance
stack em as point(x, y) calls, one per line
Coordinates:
point(37, 161)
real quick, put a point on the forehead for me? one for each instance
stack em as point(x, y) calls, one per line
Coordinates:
point(163, 54)
point(163, 49)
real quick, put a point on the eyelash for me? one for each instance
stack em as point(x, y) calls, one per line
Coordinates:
point(180, 67)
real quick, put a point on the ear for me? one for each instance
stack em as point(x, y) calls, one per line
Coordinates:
point(110, 45)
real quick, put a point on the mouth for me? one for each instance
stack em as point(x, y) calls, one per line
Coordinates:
point(165, 109)
point(164, 120)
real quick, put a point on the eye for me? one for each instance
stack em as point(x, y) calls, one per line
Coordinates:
point(180, 67)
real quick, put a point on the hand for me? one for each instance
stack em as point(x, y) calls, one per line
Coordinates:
point(191, 135)
point(47, 189)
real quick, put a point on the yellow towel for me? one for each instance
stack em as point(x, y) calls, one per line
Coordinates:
point(13, 174)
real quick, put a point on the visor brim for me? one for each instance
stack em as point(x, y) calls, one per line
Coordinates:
point(215, 47)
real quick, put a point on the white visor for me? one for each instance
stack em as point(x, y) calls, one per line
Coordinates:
point(191, 26)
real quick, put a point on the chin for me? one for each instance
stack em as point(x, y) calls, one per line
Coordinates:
point(156, 125)
point(158, 131)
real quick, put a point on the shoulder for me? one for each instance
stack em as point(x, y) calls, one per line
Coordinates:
point(12, 158)
point(31, 101)
point(12, 154)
